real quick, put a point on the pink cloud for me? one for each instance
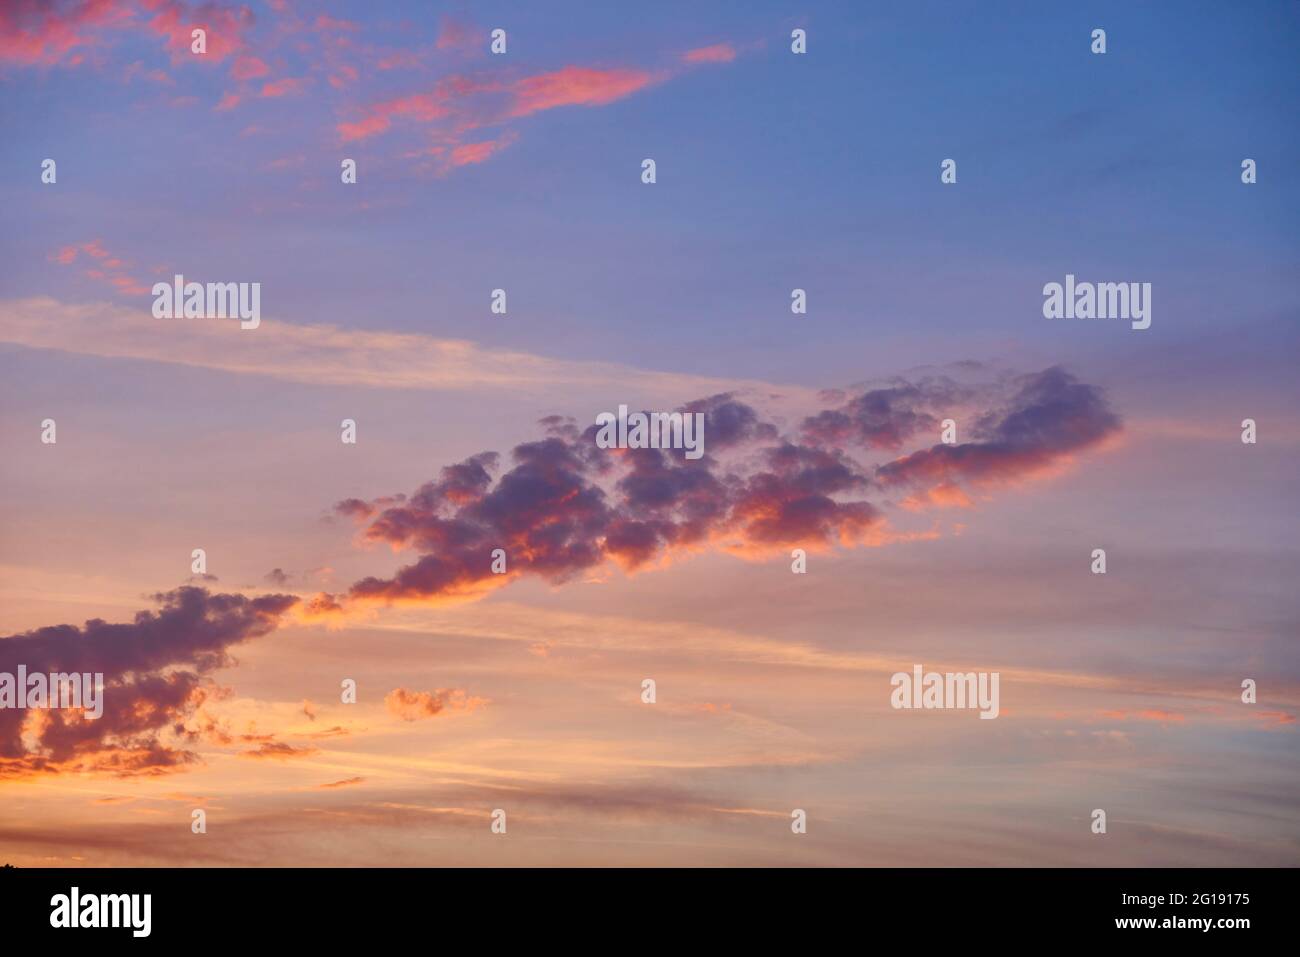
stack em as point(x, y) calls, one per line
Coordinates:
point(176, 21)
point(467, 103)
point(1148, 714)
point(362, 129)
point(423, 107)
point(128, 285)
point(38, 33)
point(109, 268)
point(399, 60)
point(717, 53)
point(249, 67)
point(344, 75)
point(286, 162)
point(576, 86)
point(156, 76)
point(454, 34)
point(470, 153)
point(289, 86)
point(326, 22)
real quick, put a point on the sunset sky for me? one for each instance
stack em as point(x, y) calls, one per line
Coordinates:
point(522, 171)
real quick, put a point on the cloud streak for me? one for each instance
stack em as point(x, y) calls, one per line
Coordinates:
point(458, 104)
point(319, 354)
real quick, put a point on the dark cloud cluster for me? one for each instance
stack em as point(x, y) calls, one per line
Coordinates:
point(565, 506)
point(1050, 416)
point(278, 751)
point(876, 419)
point(153, 669)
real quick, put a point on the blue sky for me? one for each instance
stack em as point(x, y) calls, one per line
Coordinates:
point(774, 172)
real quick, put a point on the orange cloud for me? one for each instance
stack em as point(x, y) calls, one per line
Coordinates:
point(941, 496)
point(346, 782)
point(335, 732)
point(415, 705)
point(279, 751)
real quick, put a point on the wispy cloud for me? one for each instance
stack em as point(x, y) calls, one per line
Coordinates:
point(306, 353)
point(99, 264)
point(716, 53)
point(415, 705)
point(37, 33)
point(459, 104)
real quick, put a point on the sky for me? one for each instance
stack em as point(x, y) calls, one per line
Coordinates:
point(329, 561)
